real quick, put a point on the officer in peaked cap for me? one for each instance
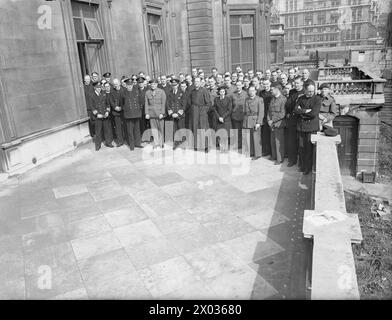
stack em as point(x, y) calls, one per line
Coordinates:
point(175, 109)
point(107, 76)
point(174, 81)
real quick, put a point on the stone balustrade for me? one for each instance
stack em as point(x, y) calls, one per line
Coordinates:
point(366, 91)
point(331, 228)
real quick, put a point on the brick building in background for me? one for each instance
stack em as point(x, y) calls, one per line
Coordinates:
point(47, 46)
point(317, 23)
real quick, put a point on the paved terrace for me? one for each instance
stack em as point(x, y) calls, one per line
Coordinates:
point(111, 225)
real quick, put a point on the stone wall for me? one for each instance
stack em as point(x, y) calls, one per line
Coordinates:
point(37, 90)
point(368, 137)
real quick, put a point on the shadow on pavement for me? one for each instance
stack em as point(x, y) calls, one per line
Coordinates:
point(286, 269)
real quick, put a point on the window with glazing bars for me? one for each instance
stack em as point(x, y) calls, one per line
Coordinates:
point(242, 41)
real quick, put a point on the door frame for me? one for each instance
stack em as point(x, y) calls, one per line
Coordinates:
point(352, 120)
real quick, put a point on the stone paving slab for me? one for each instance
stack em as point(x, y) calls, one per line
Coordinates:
point(110, 225)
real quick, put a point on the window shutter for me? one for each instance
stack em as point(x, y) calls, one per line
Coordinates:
point(156, 32)
point(93, 30)
point(247, 30)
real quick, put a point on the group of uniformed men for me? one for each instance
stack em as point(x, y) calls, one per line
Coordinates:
point(280, 110)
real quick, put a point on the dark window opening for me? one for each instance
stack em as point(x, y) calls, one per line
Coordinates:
point(242, 41)
point(88, 35)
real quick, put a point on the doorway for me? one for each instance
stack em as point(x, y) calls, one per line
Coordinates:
point(348, 148)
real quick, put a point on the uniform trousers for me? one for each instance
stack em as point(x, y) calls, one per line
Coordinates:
point(91, 123)
point(105, 126)
point(277, 144)
point(144, 124)
point(305, 150)
point(252, 147)
point(157, 127)
point(266, 139)
point(292, 143)
point(237, 124)
point(133, 131)
point(171, 127)
point(199, 121)
point(118, 125)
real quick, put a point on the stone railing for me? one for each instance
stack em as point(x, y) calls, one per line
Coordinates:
point(366, 91)
point(338, 73)
point(331, 228)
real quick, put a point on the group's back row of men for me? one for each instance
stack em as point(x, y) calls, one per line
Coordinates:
point(280, 110)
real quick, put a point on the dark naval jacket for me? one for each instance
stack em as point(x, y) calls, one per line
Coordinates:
point(308, 121)
point(130, 104)
point(115, 101)
point(99, 104)
point(175, 102)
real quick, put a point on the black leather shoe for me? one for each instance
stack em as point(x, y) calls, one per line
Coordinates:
point(141, 147)
point(306, 172)
point(255, 158)
point(109, 145)
point(290, 164)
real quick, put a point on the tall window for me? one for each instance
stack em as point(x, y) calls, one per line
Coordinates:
point(88, 36)
point(308, 19)
point(274, 51)
point(242, 41)
point(158, 54)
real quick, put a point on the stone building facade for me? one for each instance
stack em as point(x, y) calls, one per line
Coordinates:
point(47, 46)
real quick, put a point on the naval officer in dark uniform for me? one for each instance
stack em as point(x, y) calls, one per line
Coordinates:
point(175, 111)
point(99, 105)
point(132, 114)
point(116, 111)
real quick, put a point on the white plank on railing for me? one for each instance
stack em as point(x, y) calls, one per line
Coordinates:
point(333, 229)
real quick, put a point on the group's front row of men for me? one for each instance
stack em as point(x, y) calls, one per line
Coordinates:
point(280, 123)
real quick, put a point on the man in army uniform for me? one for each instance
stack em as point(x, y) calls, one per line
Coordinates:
point(253, 120)
point(292, 120)
point(116, 111)
point(155, 103)
point(132, 114)
point(99, 106)
point(175, 111)
point(307, 107)
point(237, 115)
point(328, 110)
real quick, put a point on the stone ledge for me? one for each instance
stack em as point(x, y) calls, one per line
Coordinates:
point(333, 266)
point(332, 229)
point(318, 222)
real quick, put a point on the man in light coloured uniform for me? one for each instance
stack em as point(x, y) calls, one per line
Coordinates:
point(155, 103)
